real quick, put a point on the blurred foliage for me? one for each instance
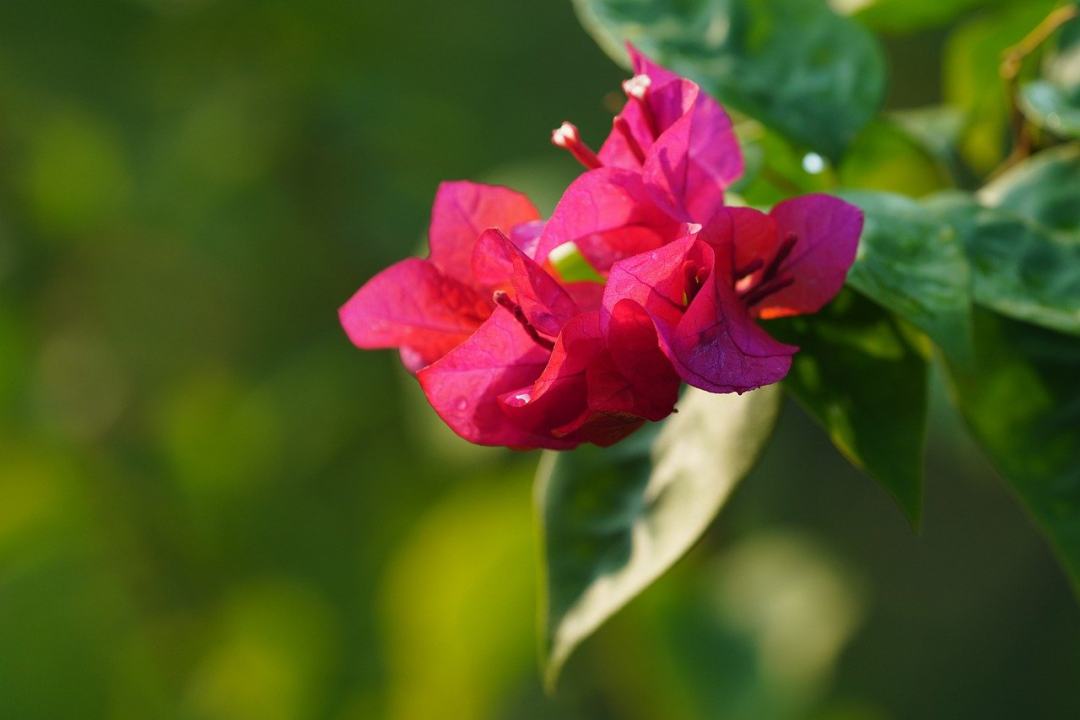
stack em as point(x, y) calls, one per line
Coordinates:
point(212, 507)
point(973, 82)
point(1054, 100)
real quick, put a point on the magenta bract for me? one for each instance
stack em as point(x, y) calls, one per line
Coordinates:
point(510, 354)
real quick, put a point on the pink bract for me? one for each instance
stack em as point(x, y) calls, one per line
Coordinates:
point(428, 307)
point(508, 353)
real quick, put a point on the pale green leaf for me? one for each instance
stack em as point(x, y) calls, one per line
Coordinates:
point(615, 519)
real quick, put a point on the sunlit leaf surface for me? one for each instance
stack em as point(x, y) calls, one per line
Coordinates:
point(615, 519)
point(1024, 249)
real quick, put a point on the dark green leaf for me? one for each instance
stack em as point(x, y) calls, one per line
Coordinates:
point(793, 64)
point(914, 265)
point(1022, 402)
point(615, 519)
point(861, 377)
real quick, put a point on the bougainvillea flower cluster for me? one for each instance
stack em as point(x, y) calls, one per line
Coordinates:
point(509, 353)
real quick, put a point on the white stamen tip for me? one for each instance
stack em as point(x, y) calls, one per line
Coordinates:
point(637, 86)
point(693, 228)
point(564, 135)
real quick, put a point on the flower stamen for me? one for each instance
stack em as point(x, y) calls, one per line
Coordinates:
point(636, 89)
point(760, 292)
point(567, 137)
point(749, 269)
point(781, 254)
point(624, 129)
point(695, 279)
point(637, 86)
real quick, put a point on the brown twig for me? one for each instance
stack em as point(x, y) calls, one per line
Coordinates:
point(1012, 62)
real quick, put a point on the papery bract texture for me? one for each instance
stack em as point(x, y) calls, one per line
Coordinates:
point(609, 214)
point(679, 137)
point(411, 305)
point(428, 307)
point(508, 353)
point(462, 211)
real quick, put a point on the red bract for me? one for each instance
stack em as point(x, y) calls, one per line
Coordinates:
point(674, 135)
point(506, 353)
point(428, 307)
point(678, 136)
point(539, 372)
point(704, 290)
point(509, 354)
point(671, 154)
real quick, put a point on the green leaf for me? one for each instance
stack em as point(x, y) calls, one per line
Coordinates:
point(572, 266)
point(615, 519)
point(885, 157)
point(904, 16)
point(792, 64)
point(1052, 107)
point(1022, 403)
point(1023, 264)
point(913, 265)
point(1044, 189)
point(937, 129)
point(1024, 271)
point(863, 379)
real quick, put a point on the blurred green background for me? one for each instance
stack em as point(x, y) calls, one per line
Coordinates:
point(212, 507)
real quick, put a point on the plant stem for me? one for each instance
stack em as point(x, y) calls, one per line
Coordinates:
point(1012, 62)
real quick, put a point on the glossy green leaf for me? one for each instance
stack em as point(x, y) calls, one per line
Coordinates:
point(1019, 269)
point(914, 265)
point(1044, 189)
point(615, 519)
point(795, 65)
point(860, 376)
point(1024, 250)
point(1022, 403)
